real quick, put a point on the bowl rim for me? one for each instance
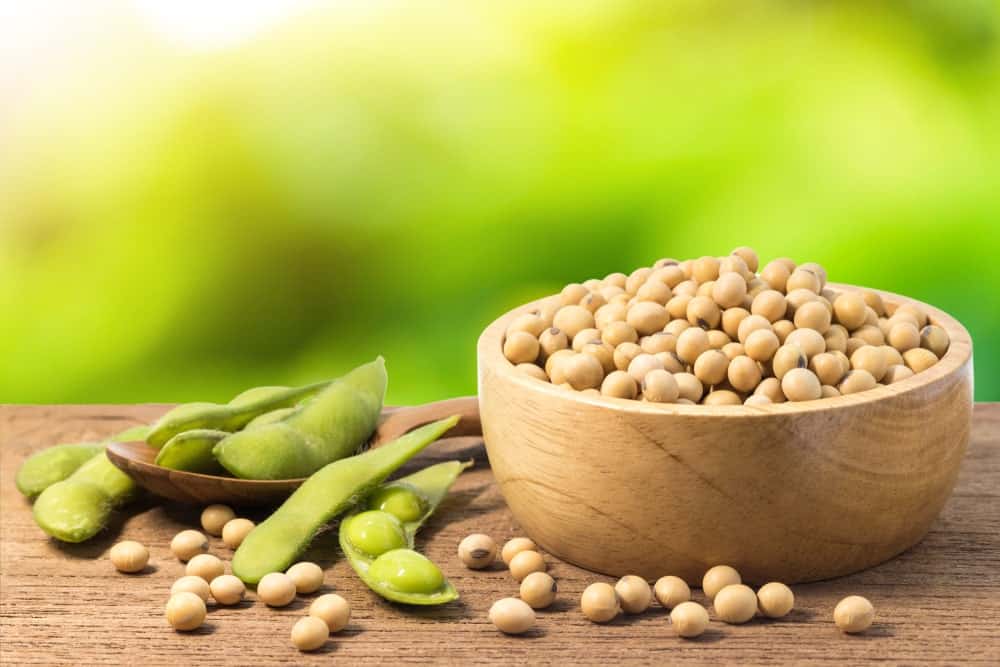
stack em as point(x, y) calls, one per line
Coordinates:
point(490, 354)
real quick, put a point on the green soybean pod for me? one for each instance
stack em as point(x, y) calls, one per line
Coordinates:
point(230, 416)
point(54, 464)
point(78, 507)
point(384, 558)
point(192, 451)
point(274, 544)
point(334, 424)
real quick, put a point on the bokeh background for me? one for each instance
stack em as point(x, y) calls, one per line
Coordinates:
point(197, 197)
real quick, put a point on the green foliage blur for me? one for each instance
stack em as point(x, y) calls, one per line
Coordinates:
point(180, 221)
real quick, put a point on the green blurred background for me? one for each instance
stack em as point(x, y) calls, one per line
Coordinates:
point(200, 197)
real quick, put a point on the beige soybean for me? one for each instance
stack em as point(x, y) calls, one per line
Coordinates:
point(619, 384)
point(659, 386)
point(227, 589)
point(573, 319)
point(788, 357)
point(191, 584)
point(520, 348)
point(775, 599)
point(572, 293)
point(647, 317)
point(896, 373)
point(744, 374)
point(919, 359)
point(538, 590)
point(515, 546)
point(129, 556)
point(854, 614)
point(703, 312)
point(776, 274)
point(512, 616)
point(769, 304)
point(600, 603)
point(309, 633)
point(234, 532)
point(532, 323)
point(642, 364)
point(215, 517)
point(634, 594)
point(206, 566)
point(904, 336)
point(810, 341)
point(870, 358)
point(671, 591)
point(689, 387)
point(717, 578)
point(616, 333)
point(857, 381)
point(761, 345)
point(827, 368)
point(722, 397)
point(691, 343)
point(735, 603)
point(813, 315)
point(771, 388)
point(801, 384)
point(729, 290)
point(276, 589)
point(585, 337)
point(187, 544)
point(689, 619)
point(582, 371)
point(477, 551)
point(185, 611)
point(551, 341)
point(525, 562)
point(935, 339)
point(307, 577)
point(333, 610)
point(624, 354)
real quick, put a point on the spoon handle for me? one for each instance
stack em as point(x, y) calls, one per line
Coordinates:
point(397, 421)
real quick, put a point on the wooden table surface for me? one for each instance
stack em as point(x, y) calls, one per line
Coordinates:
point(938, 602)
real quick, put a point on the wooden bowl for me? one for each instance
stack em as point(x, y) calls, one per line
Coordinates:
point(790, 492)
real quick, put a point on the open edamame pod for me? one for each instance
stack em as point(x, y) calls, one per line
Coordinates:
point(54, 464)
point(275, 544)
point(378, 539)
point(230, 416)
point(78, 507)
point(192, 451)
point(334, 424)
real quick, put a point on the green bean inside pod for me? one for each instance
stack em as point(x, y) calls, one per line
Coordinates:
point(274, 544)
point(334, 424)
point(378, 539)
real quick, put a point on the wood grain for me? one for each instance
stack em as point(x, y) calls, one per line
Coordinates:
point(789, 491)
point(939, 602)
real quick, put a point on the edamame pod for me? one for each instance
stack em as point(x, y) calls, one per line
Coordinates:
point(274, 544)
point(378, 542)
point(230, 416)
point(54, 464)
point(334, 424)
point(192, 451)
point(78, 507)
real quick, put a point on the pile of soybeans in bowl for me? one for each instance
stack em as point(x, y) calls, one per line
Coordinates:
point(718, 331)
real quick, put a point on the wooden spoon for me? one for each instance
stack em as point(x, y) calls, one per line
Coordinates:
point(136, 458)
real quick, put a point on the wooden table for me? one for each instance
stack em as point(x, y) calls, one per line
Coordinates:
point(938, 602)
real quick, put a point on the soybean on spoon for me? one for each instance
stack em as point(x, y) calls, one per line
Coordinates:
point(137, 458)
